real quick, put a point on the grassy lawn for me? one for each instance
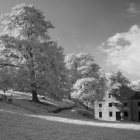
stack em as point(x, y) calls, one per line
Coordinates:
point(20, 127)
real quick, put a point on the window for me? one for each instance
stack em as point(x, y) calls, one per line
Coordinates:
point(100, 114)
point(138, 103)
point(125, 104)
point(110, 104)
point(100, 105)
point(125, 114)
point(109, 95)
point(110, 114)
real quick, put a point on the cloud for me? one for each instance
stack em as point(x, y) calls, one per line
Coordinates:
point(123, 50)
point(132, 9)
point(136, 83)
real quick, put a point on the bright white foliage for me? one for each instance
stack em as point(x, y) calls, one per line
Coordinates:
point(71, 61)
point(25, 21)
point(83, 87)
point(83, 83)
point(85, 78)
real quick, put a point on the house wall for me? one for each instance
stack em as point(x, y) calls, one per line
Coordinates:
point(105, 109)
point(128, 108)
point(135, 110)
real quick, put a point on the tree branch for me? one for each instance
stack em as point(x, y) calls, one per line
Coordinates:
point(6, 64)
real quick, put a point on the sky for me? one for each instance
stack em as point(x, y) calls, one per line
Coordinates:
point(107, 29)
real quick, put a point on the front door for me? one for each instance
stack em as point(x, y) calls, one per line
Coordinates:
point(118, 116)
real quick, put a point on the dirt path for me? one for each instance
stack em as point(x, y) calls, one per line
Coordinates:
point(129, 126)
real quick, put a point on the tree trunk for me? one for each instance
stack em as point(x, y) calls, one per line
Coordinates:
point(34, 96)
point(33, 77)
point(33, 88)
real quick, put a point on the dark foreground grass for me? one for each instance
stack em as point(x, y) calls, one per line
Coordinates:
point(20, 127)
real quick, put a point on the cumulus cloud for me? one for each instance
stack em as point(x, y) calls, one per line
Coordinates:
point(136, 83)
point(123, 50)
point(132, 9)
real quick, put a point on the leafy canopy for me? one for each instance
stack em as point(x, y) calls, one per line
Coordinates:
point(26, 45)
point(86, 81)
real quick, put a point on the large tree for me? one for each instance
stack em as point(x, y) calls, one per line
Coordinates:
point(81, 65)
point(120, 86)
point(121, 89)
point(88, 90)
point(86, 81)
point(26, 45)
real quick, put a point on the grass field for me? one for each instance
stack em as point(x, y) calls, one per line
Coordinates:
point(18, 126)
